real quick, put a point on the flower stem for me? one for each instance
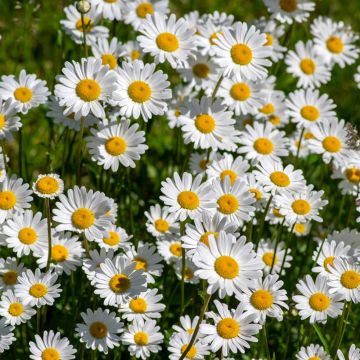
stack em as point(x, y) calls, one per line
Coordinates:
point(268, 356)
point(183, 264)
point(79, 156)
point(278, 238)
point(217, 87)
point(84, 34)
point(48, 216)
point(262, 221)
point(299, 146)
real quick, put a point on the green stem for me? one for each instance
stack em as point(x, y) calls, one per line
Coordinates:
point(183, 265)
point(38, 320)
point(79, 156)
point(48, 216)
point(268, 356)
point(217, 86)
point(20, 152)
point(278, 238)
point(84, 29)
point(341, 329)
point(299, 146)
point(262, 221)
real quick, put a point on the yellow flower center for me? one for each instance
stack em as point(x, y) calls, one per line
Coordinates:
point(314, 358)
point(204, 238)
point(308, 135)
point(16, 309)
point(263, 146)
point(88, 90)
point(113, 239)
point(23, 94)
point(141, 263)
point(138, 305)
point(205, 123)
point(267, 109)
point(188, 200)
point(2, 121)
point(228, 204)
point(119, 283)
point(115, 146)
point(50, 354)
point(280, 179)
point(188, 274)
point(141, 338)
point(332, 144)
point(319, 301)
point(275, 120)
point(268, 258)
point(261, 299)
point(135, 55)
point(214, 36)
point(190, 331)
point(257, 193)
point(310, 112)
point(307, 66)
point(191, 353)
point(228, 328)
point(226, 267)
point(240, 91)
point(350, 279)
point(38, 290)
point(241, 54)
point(299, 228)
point(353, 175)
point(167, 42)
point(277, 213)
point(10, 277)
point(139, 91)
point(161, 225)
point(109, 59)
point(201, 70)
point(176, 249)
point(301, 207)
point(335, 45)
point(269, 40)
point(329, 261)
point(143, 9)
point(7, 200)
point(98, 330)
point(47, 185)
point(231, 174)
point(111, 1)
point(27, 235)
point(288, 5)
point(87, 24)
point(59, 253)
point(177, 112)
point(82, 218)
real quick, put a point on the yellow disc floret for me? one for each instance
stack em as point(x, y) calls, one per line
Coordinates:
point(82, 218)
point(261, 299)
point(228, 328)
point(88, 90)
point(115, 146)
point(241, 54)
point(167, 42)
point(228, 204)
point(319, 301)
point(188, 200)
point(263, 146)
point(226, 267)
point(139, 91)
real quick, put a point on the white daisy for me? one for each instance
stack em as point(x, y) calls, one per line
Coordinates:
point(199, 162)
point(354, 353)
point(170, 250)
point(160, 221)
point(117, 238)
point(6, 335)
point(302, 229)
point(108, 52)
point(189, 270)
point(109, 9)
point(48, 186)
point(187, 325)
point(312, 351)
point(10, 271)
point(274, 109)
point(218, 18)
point(9, 122)
point(348, 237)
point(254, 187)
point(132, 51)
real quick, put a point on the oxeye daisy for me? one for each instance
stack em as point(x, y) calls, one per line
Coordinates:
point(26, 91)
point(263, 142)
point(37, 289)
point(316, 302)
point(185, 196)
point(108, 52)
point(113, 143)
point(232, 202)
point(48, 186)
point(306, 107)
point(84, 212)
point(209, 126)
point(13, 310)
point(144, 306)
point(117, 281)
point(6, 335)
point(344, 279)
point(232, 329)
point(15, 196)
point(312, 352)
point(274, 109)
point(254, 187)
point(348, 237)
point(167, 39)
point(219, 18)
point(73, 25)
point(187, 325)
point(189, 271)
point(101, 330)
point(109, 9)
point(51, 346)
point(9, 122)
point(241, 49)
point(335, 41)
point(26, 232)
point(199, 162)
point(117, 238)
point(306, 65)
point(143, 338)
point(141, 91)
point(170, 250)
point(295, 147)
point(160, 222)
point(136, 11)
point(266, 298)
point(84, 86)
point(229, 265)
point(132, 51)
point(287, 11)
point(240, 95)
point(354, 353)
point(10, 271)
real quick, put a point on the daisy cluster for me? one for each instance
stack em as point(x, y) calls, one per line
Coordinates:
point(237, 212)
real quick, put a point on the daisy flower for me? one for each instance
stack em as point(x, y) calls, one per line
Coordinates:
point(117, 238)
point(189, 271)
point(185, 196)
point(335, 41)
point(254, 187)
point(37, 289)
point(354, 353)
point(51, 346)
point(141, 91)
point(13, 310)
point(145, 306)
point(274, 109)
point(218, 18)
point(9, 122)
point(199, 162)
point(25, 233)
point(6, 335)
point(132, 51)
point(101, 330)
point(287, 11)
point(84, 86)
point(228, 265)
point(167, 39)
point(15, 197)
point(160, 221)
point(306, 107)
point(143, 338)
point(117, 281)
point(84, 212)
point(348, 237)
point(307, 66)
point(108, 52)
point(232, 330)
point(187, 325)
point(109, 9)
point(344, 280)
point(113, 143)
point(10, 271)
point(263, 142)
point(26, 92)
point(209, 126)
point(73, 25)
point(266, 299)
point(48, 186)
point(301, 229)
point(312, 351)
point(170, 250)
point(316, 302)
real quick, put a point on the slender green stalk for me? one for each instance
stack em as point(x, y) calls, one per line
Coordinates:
point(341, 329)
point(299, 146)
point(183, 265)
point(20, 152)
point(84, 29)
point(4, 154)
point(213, 97)
point(38, 320)
point(48, 216)
point(262, 221)
point(268, 356)
point(278, 238)
point(80, 152)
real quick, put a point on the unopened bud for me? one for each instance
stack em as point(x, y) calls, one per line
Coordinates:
point(83, 6)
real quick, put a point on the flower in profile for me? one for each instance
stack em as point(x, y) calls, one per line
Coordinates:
point(9, 122)
point(6, 335)
point(312, 351)
point(48, 186)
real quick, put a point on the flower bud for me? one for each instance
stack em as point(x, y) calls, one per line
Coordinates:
point(83, 6)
